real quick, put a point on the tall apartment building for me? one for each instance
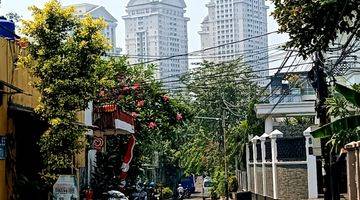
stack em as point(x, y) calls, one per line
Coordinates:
point(229, 21)
point(158, 29)
point(97, 12)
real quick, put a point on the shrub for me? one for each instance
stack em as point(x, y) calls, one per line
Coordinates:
point(167, 193)
point(213, 195)
point(232, 184)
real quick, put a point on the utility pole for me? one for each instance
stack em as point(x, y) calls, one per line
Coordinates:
point(225, 155)
point(318, 77)
point(223, 126)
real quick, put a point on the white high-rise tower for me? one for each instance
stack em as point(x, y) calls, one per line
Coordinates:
point(229, 21)
point(158, 29)
point(97, 12)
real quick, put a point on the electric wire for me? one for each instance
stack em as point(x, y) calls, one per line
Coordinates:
point(278, 71)
point(213, 65)
point(243, 65)
point(200, 56)
point(203, 50)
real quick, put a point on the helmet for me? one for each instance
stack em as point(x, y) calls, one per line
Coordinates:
point(152, 184)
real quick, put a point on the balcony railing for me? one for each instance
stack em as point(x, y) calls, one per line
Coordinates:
point(285, 99)
point(294, 96)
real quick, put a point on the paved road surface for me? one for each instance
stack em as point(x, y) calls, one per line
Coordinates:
point(198, 189)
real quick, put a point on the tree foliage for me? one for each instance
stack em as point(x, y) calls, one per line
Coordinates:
point(65, 58)
point(314, 25)
point(13, 16)
point(216, 88)
point(159, 119)
point(341, 106)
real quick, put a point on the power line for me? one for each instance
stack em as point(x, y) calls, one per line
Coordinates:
point(220, 64)
point(202, 50)
point(209, 85)
point(238, 81)
point(283, 96)
point(253, 50)
point(237, 73)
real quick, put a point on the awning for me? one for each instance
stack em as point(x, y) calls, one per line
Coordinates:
point(12, 87)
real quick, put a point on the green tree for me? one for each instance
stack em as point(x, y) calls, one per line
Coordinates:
point(215, 88)
point(65, 57)
point(13, 16)
point(345, 107)
point(314, 25)
point(159, 120)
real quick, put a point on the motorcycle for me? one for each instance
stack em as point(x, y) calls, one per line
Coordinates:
point(187, 193)
point(116, 195)
point(183, 194)
point(139, 194)
point(151, 194)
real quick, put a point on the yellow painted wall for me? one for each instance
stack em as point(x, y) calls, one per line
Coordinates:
point(19, 77)
point(3, 116)
point(16, 76)
point(8, 54)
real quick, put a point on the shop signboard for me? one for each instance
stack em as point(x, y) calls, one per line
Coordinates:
point(66, 188)
point(2, 147)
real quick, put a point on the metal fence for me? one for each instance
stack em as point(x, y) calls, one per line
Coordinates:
point(268, 154)
point(291, 149)
point(288, 149)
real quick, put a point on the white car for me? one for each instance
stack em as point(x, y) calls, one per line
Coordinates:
point(207, 187)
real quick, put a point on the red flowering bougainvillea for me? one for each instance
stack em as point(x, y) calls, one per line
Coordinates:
point(157, 116)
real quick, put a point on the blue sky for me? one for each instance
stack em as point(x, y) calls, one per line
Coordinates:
point(196, 11)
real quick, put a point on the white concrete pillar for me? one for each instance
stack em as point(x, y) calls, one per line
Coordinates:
point(248, 167)
point(357, 171)
point(273, 136)
point(89, 114)
point(263, 155)
point(91, 154)
point(269, 125)
point(254, 141)
point(351, 171)
point(311, 166)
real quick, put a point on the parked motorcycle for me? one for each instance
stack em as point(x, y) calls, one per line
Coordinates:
point(183, 194)
point(139, 194)
point(151, 193)
point(180, 192)
point(187, 193)
point(116, 195)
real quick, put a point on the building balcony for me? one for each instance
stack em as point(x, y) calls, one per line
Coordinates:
point(296, 95)
point(302, 108)
point(297, 102)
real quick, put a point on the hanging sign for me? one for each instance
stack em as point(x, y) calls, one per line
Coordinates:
point(2, 147)
point(98, 143)
point(65, 188)
point(127, 160)
point(125, 122)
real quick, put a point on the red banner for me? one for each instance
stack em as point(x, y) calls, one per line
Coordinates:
point(127, 160)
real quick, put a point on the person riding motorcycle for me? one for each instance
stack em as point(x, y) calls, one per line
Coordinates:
point(151, 191)
point(180, 191)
